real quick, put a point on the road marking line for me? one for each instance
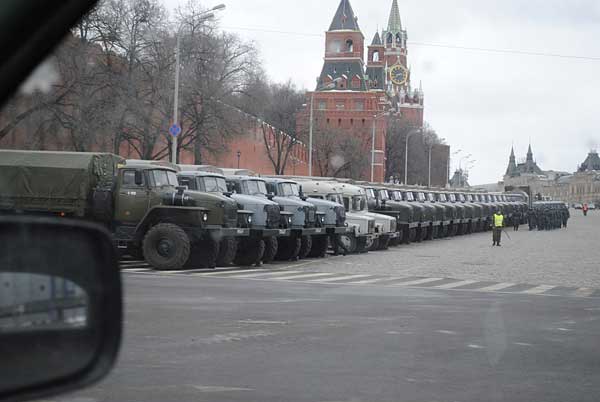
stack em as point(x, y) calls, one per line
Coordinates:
point(538, 289)
point(584, 292)
point(236, 271)
point(417, 282)
point(454, 284)
point(313, 275)
point(340, 278)
point(266, 275)
point(496, 287)
point(368, 281)
point(137, 270)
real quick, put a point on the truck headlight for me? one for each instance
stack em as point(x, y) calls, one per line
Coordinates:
point(249, 219)
point(204, 217)
point(289, 220)
point(322, 219)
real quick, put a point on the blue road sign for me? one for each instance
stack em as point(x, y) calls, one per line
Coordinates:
point(175, 130)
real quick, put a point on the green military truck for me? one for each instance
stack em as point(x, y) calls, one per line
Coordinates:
point(140, 202)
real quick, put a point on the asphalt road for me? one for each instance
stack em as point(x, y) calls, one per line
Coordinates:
point(447, 320)
point(216, 339)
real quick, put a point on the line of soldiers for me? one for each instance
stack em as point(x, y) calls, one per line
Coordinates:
point(548, 215)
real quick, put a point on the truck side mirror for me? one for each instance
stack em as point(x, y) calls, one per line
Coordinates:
point(270, 196)
point(139, 178)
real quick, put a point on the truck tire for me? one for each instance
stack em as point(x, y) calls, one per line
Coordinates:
point(166, 247)
point(227, 251)
point(412, 235)
point(250, 252)
point(375, 245)
point(362, 245)
point(425, 233)
point(435, 234)
point(345, 244)
point(320, 244)
point(305, 246)
point(204, 254)
point(271, 247)
point(384, 243)
point(288, 248)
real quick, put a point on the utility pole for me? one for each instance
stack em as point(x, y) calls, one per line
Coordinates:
point(373, 149)
point(310, 134)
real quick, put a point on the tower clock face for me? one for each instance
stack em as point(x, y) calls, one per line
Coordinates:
point(399, 74)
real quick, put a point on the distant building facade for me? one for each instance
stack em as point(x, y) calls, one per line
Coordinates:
point(582, 186)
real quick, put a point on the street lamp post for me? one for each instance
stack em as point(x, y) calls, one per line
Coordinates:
point(331, 85)
point(239, 155)
point(207, 15)
point(414, 131)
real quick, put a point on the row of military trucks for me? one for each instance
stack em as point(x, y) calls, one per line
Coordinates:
point(190, 216)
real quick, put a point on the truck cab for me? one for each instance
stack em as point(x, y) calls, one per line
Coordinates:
point(382, 202)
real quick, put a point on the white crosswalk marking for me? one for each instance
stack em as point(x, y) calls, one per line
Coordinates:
point(538, 289)
point(584, 292)
point(235, 271)
point(497, 287)
point(418, 282)
point(369, 281)
point(340, 278)
point(304, 276)
point(454, 284)
point(265, 275)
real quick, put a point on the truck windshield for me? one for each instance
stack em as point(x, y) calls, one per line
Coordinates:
point(164, 178)
point(370, 193)
point(288, 189)
point(409, 196)
point(383, 194)
point(430, 197)
point(421, 197)
point(254, 187)
point(452, 197)
point(396, 196)
point(214, 184)
point(460, 197)
point(442, 197)
point(335, 198)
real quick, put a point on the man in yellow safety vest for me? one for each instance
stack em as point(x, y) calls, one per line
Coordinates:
point(498, 224)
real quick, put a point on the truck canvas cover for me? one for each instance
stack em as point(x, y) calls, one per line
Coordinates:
point(54, 181)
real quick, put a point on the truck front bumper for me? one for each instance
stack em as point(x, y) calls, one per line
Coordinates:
point(228, 232)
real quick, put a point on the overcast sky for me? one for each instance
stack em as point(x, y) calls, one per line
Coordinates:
point(480, 102)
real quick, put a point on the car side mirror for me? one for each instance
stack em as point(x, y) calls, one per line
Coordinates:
point(139, 178)
point(60, 306)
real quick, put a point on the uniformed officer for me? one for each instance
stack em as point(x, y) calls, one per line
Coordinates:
point(497, 224)
point(531, 219)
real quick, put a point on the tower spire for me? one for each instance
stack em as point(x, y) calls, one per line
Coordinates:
point(394, 22)
point(344, 18)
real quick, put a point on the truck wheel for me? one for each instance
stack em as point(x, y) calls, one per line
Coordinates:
point(305, 246)
point(227, 251)
point(271, 247)
point(375, 244)
point(362, 244)
point(435, 234)
point(288, 248)
point(204, 254)
point(346, 244)
point(166, 247)
point(320, 244)
point(412, 235)
point(250, 252)
point(424, 233)
point(384, 243)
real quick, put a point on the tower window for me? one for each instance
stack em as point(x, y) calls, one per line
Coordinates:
point(399, 39)
point(390, 38)
point(359, 105)
point(339, 122)
point(349, 45)
point(376, 55)
point(322, 105)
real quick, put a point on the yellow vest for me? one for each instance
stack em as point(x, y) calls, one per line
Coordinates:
point(498, 220)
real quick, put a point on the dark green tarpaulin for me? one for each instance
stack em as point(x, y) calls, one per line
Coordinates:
point(56, 181)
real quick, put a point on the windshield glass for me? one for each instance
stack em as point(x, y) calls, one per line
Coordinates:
point(335, 198)
point(254, 187)
point(370, 193)
point(288, 189)
point(451, 197)
point(460, 197)
point(430, 197)
point(421, 196)
point(383, 194)
point(214, 184)
point(164, 178)
point(396, 195)
point(408, 196)
point(442, 197)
